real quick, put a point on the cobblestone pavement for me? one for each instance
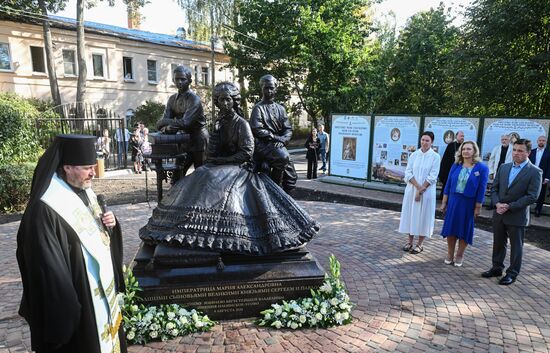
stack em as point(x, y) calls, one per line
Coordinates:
point(404, 303)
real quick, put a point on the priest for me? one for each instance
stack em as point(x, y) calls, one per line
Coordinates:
point(69, 253)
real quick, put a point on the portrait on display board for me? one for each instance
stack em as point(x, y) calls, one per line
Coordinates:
point(445, 130)
point(349, 145)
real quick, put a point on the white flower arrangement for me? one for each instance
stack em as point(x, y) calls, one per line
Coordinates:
point(328, 306)
point(166, 321)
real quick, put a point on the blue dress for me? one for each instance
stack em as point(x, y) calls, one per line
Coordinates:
point(464, 189)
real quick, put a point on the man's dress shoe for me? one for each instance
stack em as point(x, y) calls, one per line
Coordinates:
point(491, 273)
point(507, 280)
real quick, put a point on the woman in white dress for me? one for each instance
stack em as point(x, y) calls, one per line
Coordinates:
point(418, 209)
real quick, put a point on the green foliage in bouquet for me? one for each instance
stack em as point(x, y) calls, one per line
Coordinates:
point(145, 323)
point(328, 306)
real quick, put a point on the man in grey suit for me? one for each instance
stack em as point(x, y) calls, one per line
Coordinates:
point(515, 187)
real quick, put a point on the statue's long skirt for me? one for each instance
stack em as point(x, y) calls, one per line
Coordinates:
point(229, 209)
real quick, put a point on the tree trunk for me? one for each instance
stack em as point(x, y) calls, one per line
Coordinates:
point(244, 100)
point(81, 54)
point(52, 76)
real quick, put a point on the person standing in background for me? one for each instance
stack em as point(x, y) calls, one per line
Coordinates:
point(540, 157)
point(103, 146)
point(499, 155)
point(312, 154)
point(137, 156)
point(448, 160)
point(418, 209)
point(324, 146)
point(122, 138)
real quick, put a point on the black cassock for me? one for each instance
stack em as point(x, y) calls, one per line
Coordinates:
point(56, 296)
point(447, 161)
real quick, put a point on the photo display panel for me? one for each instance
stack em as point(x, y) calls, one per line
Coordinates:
point(445, 129)
point(349, 146)
point(494, 128)
point(395, 138)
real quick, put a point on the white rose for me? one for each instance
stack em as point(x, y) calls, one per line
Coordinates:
point(170, 325)
point(338, 317)
point(267, 316)
point(183, 320)
point(318, 316)
point(277, 324)
point(130, 335)
point(199, 324)
point(284, 314)
point(174, 332)
point(323, 310)
point(345, 315)
point(278, 311)
point(171, 315)
point(195, 317)
point(312, 321)
point(303, 319)
point(294, 326)
point(334, 301)
point(153, 334)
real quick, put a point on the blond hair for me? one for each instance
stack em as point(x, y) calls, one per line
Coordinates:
point(475, 158)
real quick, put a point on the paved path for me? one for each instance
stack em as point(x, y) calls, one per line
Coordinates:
point(404, 303)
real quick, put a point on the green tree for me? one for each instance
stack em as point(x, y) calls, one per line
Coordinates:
point(41, 8)
point(504, 58)
point(149, 113)
point(200, 13)
point(419, 78)
point(313, 47)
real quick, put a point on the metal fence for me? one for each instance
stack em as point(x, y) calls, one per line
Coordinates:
point(88, 119)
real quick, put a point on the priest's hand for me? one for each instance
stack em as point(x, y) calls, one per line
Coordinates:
point(108, 219)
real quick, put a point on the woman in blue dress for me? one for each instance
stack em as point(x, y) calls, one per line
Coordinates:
point(462, 199)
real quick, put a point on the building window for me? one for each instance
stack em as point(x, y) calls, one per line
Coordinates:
point(69, 62)
point(204, 76)
point(37, 56)
point(5, 58)
point(97, 63)
point(173, 67)
point(152, 71)
point(128, 68)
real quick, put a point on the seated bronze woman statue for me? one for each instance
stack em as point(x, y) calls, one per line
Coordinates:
point(224, 206)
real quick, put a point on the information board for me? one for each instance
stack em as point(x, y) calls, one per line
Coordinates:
point(446, 128)
point(349, 146)
point(395, 138)
point(494, 128)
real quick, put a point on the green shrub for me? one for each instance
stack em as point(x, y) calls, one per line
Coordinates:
point(149, 113)
point(40, 104)
point(301, 133)
point(48, 126)
point(15, 186)
point(18, 141)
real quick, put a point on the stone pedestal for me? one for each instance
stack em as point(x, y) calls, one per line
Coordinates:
point(224, 286)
